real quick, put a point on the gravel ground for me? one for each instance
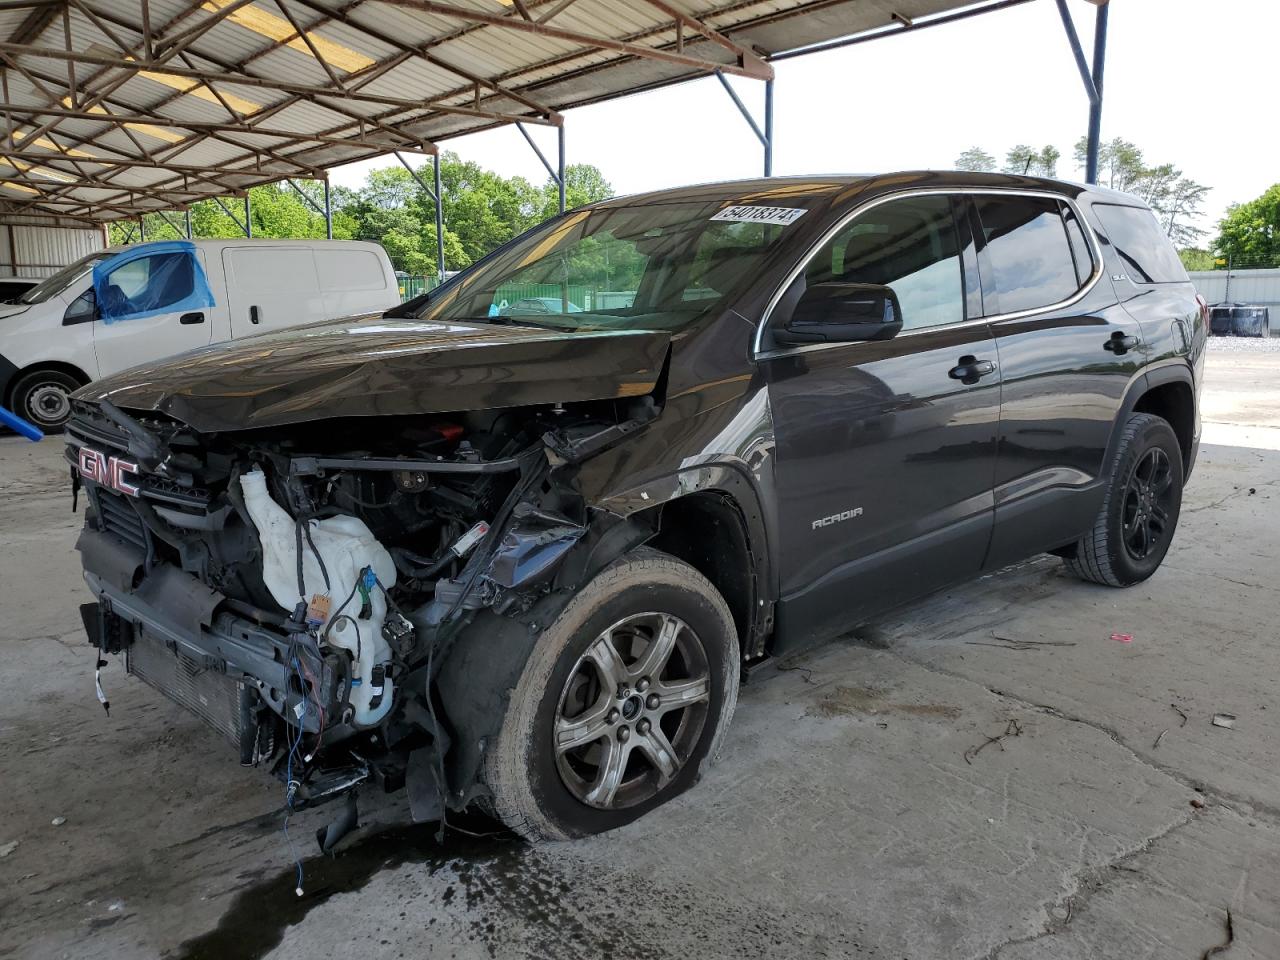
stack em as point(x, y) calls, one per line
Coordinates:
point(1244, 344)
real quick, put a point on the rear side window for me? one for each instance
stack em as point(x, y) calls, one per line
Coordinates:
point(1080, 250)
point(1146, 252)
point(909, 245)
point(349, 270)
point(265, 269)
point(1028, 252)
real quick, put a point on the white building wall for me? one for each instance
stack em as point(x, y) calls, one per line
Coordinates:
point(1257, 287)
point(35, 250)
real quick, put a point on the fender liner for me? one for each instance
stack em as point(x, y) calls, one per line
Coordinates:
point(1159, 375)
point(474, 684)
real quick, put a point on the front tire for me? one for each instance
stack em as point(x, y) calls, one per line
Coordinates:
point(44, 398)
point(623, 703)
point(1139, 514)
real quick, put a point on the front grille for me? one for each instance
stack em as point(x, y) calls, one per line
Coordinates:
point(212, 696)
point(118, 516)
point(101, 435)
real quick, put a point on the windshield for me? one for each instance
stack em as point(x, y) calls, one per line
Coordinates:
point(54, 285)
point(658, 266)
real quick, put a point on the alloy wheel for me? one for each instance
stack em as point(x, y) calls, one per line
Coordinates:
point(632, 711)
point(1148, 499)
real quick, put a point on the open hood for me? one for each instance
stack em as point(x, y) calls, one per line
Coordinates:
point(372, 366)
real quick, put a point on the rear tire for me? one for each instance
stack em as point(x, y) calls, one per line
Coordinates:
point(603, 726)
point(1139, 514)
point(44, 398)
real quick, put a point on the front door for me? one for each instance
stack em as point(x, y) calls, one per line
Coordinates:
point(150, 307)
point(885, 450)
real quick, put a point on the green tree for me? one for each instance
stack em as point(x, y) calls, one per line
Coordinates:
point(1196, 258)
point(1120, 163)
point(1250, 232)
point(976, 160)
point(482, 210)
point(276, 212)
point(1028, 160)
point(583, 184)
point(1177, 200)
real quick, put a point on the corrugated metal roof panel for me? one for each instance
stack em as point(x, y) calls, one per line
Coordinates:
point(578, 55)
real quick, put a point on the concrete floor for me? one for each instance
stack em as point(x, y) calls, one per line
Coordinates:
point(844, 819)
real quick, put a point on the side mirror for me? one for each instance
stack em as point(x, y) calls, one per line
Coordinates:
point(842, 313)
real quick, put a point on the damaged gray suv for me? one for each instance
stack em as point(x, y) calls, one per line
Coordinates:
point(522, 557)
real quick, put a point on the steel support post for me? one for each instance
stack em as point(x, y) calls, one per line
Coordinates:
point(560, 165)
point(1095, 108)
point(768, 128)
point(765, 136)
point(439, 198)
point(328, 211)
point(556, 173)
point(248, 221)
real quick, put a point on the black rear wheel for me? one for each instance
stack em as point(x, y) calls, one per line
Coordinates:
point(1139, 514)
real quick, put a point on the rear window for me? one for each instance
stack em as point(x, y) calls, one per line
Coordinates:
point(1146, 252)
point(1029, 252)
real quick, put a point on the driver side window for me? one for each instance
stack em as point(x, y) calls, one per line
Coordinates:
point(909, 245)
point(148, 284)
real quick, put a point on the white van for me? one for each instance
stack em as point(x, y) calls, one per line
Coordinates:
point(128, 305)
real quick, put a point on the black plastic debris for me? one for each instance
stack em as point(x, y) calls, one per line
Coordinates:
point(1239, 320)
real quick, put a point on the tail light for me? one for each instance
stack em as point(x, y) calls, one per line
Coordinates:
point(1204, 310)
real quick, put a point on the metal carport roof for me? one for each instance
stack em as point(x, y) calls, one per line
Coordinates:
point(118, 107)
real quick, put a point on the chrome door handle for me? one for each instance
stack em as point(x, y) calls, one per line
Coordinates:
point(970, 370)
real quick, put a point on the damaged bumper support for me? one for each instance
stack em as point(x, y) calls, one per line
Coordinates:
point(224, 668)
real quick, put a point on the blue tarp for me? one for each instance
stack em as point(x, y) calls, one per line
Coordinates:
point(170, 281)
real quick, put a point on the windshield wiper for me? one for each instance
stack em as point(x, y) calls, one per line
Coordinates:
point(521, 321)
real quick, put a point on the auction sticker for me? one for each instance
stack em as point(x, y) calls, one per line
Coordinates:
point(746, 214)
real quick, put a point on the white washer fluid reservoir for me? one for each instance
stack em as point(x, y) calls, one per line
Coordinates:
point(347, 546)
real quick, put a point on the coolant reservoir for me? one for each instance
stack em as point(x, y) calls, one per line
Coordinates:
point(347, 546)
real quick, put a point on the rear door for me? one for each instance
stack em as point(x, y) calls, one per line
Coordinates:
point(885, 454)
point(1068, 355)
point(146, 311)
point(270, 287)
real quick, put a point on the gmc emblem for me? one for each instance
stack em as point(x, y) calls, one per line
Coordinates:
point(108, 471)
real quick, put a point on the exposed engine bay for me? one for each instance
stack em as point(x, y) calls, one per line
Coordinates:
point(301, 588)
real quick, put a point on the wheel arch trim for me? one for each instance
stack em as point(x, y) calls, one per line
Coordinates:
point(733, 480)
point(1167, 373)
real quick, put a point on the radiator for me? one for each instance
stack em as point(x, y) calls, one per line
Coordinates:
point(210, 695)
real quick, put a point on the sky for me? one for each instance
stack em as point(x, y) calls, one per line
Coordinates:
point(1185, 81)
